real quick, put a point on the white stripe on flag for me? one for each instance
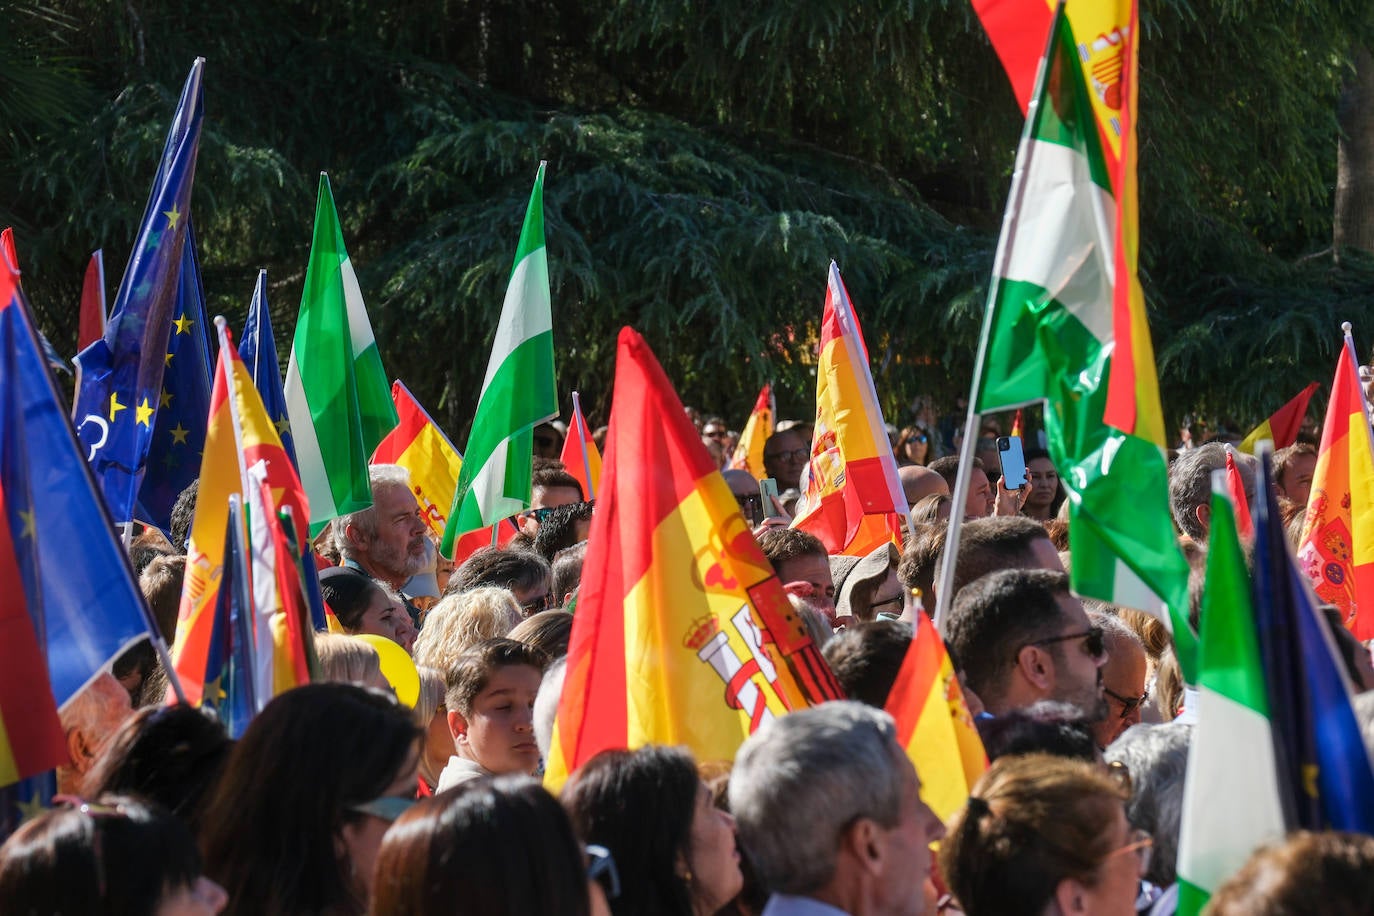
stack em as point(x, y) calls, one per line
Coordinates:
point(525, 313)
point(309, 456)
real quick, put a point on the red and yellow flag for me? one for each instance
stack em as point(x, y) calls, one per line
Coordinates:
point(225, 471)
point(1235, 488)
point(682, 634)
point(1283, 426)
point(851, 496)
point(580, 455)
point(749, 451)
point(933, 723)
point(420, 446)
point(1337, 545)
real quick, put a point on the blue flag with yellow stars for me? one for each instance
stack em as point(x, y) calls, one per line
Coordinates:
point(258, 350)
point(22, 801)
point(120, 383)
point(229, 660)
point(179, 432)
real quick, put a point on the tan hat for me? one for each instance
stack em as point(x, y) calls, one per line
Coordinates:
point(864, 573)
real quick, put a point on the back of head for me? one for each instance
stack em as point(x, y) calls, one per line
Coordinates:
point(1190, 486)
point(347, 660)
point(546, 704)
point(639, 805)
point(547, 631)
point(349, 593)
point(1029, 823)
point(1330, 873)
point(501, 567)
point(559, 529)
point(567, 571)
point(866, 657)
point(270, 833)
point(948, 468)
point(999, 542)
point(549, 474)
point(1156, 756)
point(782, 544)
point(1047, 727)
point(500, 847)
point(117, 854)
point(160, 583)
point(460, 621)
point(799, 782)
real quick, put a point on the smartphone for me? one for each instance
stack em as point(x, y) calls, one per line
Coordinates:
point(1012, 456)
point(768, 488)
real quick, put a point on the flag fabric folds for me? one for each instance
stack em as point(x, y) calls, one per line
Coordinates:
point(1323, 765)
point(682, 634)
point(933, 722)
point(230, 468)
point(580, 454)
point(517, 393)
point(1235, 491)
point(1283, 426)
point(1228, 810)
point(1049, 333)
point(851, 496)
point(229, 682)
point(120, 378)
point(749, 451)
point(420, 446)
point(337, 397)
point(1336, 548)
point(91, 324)
point(183, 403)
point(258, 349)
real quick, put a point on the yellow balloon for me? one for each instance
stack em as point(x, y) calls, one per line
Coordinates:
point(397, 667)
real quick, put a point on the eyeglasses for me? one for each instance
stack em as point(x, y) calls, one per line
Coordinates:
point(717, 434)
point(540, 514)
point(1128, 704)
point(387, 808)
point(1142, 844)
point(797, 454)
point(535, 605)
point(601, 869)
point(895, 599)
point(751, 504)
point(1094, 642)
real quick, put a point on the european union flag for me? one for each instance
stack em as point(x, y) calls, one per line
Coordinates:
point(120, 384)
point(22, 801)
point(258, 350)
point(1324, 769)
point(81, 594)
point(229, 663)
point(179, 432)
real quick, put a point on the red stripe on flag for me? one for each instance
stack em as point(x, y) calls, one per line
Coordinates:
point(413, 420)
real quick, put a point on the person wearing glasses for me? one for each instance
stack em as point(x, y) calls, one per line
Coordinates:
point(913, 447)
point(784, 455)
point(550, 486)
point(1123, 678)
point(1042, 834)
point(1023, 637)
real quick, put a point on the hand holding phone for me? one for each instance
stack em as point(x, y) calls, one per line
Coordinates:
point(1012, 456)
point(768, 492)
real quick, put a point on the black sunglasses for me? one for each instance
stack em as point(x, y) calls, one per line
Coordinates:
point(1094, 641)
point(1128, 704)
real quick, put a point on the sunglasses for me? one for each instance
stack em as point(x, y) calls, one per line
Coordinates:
point(1128, 704)
point(535, 605)
point(387, 808)
point(1094, 641)
point(601, 869)
point(895, 599)
point(797, 454)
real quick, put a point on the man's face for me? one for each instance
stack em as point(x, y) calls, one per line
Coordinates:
point(1077, 673)
point(890, 597)
point(498, 733)
point(1122, 676)
point(397, 550)
point(1296, 482)
point(902, 888)
point(784, 457)
point(809, 577)
point(982, 499)
point(548, 441)
point(546, 498)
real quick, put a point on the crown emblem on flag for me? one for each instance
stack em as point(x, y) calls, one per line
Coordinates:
point(703, 630)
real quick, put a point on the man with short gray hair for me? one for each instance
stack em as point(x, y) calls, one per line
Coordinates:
point(829, 810)
point(387, 539)
point(1190, 486)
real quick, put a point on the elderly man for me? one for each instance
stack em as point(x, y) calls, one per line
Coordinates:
point(1123, 678)
point(829, 809)
point(387, 539)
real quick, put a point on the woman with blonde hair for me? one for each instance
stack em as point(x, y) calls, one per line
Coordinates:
point(462, 620)
point(346, 660)
point(432, 715)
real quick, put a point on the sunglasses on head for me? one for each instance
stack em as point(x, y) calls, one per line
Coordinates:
point(1094, 641)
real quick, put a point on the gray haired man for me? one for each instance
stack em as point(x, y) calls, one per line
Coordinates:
point(829, 809)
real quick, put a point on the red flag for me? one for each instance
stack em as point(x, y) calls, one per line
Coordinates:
point(1235, 488)
point(580, 455)
point(92, 303)
point(1284, 425)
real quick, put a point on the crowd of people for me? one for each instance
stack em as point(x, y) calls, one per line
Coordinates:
point(342, 797)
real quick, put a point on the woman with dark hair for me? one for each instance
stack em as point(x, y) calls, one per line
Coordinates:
point(490, 846)
point(363, 605)
point(674, 849)
point(171, 755)
point(1046, 493)
point(296, 819)
point(1042, 834)
point(913, 447)
point(116, 857)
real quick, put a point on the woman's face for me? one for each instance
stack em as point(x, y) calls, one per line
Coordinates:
point(714, 858)
point(1044, 482)
point(1118, 876)
point(385, 617)
point(202, 897)
point(917, 447)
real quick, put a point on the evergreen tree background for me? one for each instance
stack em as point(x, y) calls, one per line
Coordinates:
point(706, 161)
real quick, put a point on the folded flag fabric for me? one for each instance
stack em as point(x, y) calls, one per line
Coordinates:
point(420, 446)
point(258, 348)
point(749, 452)
point(1283, 426)
point(580, 454)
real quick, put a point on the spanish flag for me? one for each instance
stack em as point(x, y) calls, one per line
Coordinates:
point(580, 455)
point(1337, 545)
point(682, 634)
point(256, 464)
point(420, 446)
point(1282, 428)
point(749, 452)
point(851, 497)
point(933, 722)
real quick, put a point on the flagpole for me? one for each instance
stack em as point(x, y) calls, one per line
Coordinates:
point(958, 498)
point(222, 330)
point(580, 425)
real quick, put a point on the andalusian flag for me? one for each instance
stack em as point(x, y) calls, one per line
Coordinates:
point(1283, 426)
point(1049, 333)
point(420, 446)
point(226, 471)
point(1228, 810)
point(1337, 545)
point(683, 634)
point(851, 496)
point(337, 397)
point(749, 451)
point(580, 455)
point(933, 722)
point(517, 394)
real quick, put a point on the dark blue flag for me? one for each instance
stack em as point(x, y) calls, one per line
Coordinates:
point(184, 405)
point(229, 662)
point(258, 350)
point(120, 381)
point(24, 800)
point(1324, 769)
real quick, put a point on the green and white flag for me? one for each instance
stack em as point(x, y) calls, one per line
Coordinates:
point(517, 395)
point(338, 399)
point(1048, 334)
point(1231, 802)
